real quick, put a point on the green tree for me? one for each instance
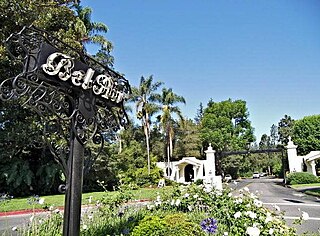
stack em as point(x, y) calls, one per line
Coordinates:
point(188, 141)
point(22, 143)
point(169, 99)
point(306, 134)
point(226, 125)
point(92, 33)
point(199, 114)
point(285, 126)
point(144, 96)
point(274, 137)
point(265, 142)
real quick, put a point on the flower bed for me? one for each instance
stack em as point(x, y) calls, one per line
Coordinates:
point(188, 210)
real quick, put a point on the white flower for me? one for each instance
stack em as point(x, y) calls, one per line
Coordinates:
point(90, 217)
point(14, 228)
point(238, 201)
point(208, 189)
point(253, 231)
point(271, 230)
point(268, 218)
point(84, 227)
point(190, 208)
point(257, 203)
point(158, 198)
point(90, 200)
point(225, 233)
point(51, 208)
point(187, 195)
point(195, 196)
point(305, 216)
point(178, 201)
point(246, 189)
point(237, 215)
point(172, 202)
point(251, 214)
point(276, 207)
point(31, 218)
point(229, 194)
point(149, 207)
point(41, 201)
point(253, 196)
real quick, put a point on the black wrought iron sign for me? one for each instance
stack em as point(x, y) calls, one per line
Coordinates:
point(78, 99)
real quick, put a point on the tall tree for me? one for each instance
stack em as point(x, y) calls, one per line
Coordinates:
point(264, 142)
point(274, 137)
point(60, 19)
point(226, 125)
point(306, 134)
point(169, 99)
point(188, 141)
point(199, 114)
point(92, 33)
point(144, 97)
point(285, 126)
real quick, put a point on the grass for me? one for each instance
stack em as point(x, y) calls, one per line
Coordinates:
point(311, 189)
point(297, 186)
point(17, 204)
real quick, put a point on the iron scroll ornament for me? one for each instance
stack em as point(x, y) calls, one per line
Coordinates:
point(72, 93)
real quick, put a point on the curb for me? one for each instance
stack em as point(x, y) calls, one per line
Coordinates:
point(30, 211)
point(25, 212)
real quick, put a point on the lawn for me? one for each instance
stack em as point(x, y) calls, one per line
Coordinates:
point(16, 204)
point(311, 189)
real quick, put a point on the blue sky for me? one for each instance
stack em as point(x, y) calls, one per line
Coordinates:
point(264, 52)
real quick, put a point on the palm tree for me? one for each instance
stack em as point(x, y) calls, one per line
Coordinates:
point(91, 32)
point(168, 99)
point(144, 96)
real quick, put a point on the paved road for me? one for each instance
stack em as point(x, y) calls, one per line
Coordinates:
point(8, 222)
point(272, 192)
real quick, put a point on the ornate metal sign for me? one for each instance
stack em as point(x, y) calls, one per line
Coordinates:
point(78, 99)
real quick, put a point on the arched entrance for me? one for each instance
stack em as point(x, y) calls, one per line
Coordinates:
point(189, 173)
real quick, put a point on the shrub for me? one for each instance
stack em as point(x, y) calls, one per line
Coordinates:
point(186, 211)
point(172, 224)
point(199, 181)
point(302, 178)
point(150, 225)
point(179, 224)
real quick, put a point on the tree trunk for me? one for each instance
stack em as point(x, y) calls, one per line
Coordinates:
point(146, 133)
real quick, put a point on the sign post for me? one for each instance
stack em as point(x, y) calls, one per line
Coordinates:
point(78, 100)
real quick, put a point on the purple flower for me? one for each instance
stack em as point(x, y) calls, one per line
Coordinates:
point(209, 225)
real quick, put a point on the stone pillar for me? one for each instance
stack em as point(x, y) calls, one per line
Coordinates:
point(210, 167)
point(313, 168)
point(182, 174)
point(295, 162)
point(177, 174)
point(195, 173)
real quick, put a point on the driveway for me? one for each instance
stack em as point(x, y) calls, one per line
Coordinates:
point(272, 192)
